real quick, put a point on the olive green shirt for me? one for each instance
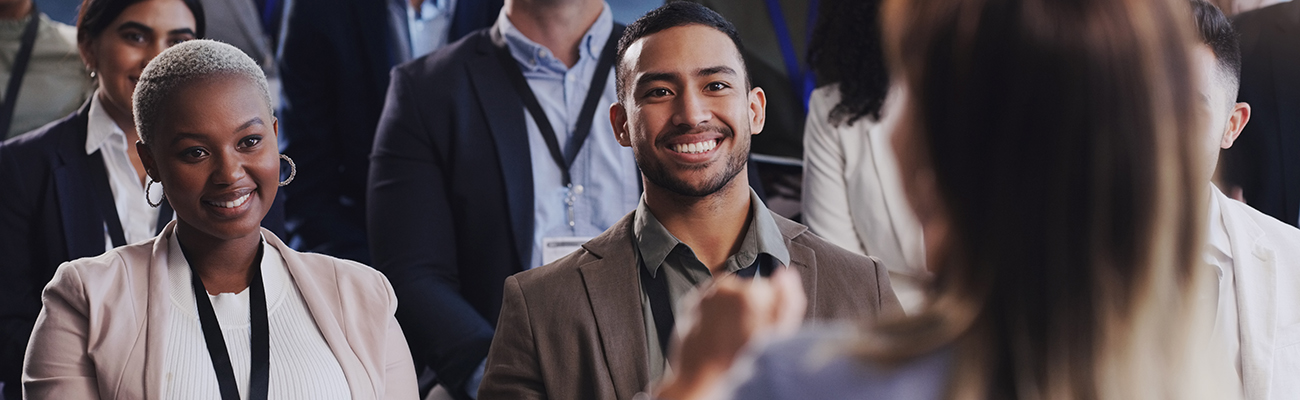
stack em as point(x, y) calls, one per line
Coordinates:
point(661, 252)
point(56, 82)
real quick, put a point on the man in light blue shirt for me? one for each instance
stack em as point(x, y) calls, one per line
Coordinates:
point(494, 155)
point(604, 174)
point(420, 26)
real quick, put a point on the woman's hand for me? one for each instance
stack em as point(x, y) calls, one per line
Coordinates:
point(729, 316)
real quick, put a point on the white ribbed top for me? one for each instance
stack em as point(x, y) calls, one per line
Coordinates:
point(302, 365)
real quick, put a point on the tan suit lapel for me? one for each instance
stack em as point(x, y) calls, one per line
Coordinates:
point(320, 293)
point(802, 258)
point(1256, 286)
point(157, 303)
point(614, 291)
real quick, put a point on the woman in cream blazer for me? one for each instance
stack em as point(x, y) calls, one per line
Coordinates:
point(215, 307)
point(852, 196)
point(101, 333)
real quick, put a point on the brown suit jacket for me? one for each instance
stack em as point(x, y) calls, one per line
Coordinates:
point(574, 329)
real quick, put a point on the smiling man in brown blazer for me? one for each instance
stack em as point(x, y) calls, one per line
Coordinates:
point(594, 324)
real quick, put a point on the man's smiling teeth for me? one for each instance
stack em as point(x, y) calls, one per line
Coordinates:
point(695, 148)
point(233, 203)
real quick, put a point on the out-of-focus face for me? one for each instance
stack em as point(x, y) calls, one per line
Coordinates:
point(216, 154)
point(1224, 117)
point(122, 50)
point(688, 115)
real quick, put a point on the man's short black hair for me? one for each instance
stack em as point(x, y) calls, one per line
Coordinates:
point(672, 15)
point(1217, 32)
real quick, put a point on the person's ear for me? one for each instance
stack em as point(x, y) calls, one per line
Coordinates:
point(618, 119)
point(1236, 122)
point(275, 127)
point(146, 159)
point(757, 110)
point(87, 51)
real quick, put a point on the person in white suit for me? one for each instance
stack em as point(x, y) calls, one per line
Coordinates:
point(852, 195)
point(1256, 256)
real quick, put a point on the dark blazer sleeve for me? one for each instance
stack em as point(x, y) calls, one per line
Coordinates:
point(24, 247)
point(413, 230)
point(316, 129)
point(513, 369)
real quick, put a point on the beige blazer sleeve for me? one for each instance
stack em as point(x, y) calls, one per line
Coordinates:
point(853, 196)
point(57, 365)
point(400, 381)
point(825, 191)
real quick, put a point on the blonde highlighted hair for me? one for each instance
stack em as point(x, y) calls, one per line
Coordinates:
point(1055, 132)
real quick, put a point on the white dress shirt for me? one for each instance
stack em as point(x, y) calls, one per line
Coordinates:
point(139, 219)
point(1218, 254)
point(429, 25)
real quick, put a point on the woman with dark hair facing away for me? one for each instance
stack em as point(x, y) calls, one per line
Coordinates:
point(852, 195)
point(215, 307)
point(75, 187)
point(1044, 147)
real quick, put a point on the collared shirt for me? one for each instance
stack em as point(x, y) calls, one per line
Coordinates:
point(419, 31)
point(1218, 254)
point(606, 184)
point(139, 219)
point(659, 252)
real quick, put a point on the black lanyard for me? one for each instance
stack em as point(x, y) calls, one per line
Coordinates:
point(661, 307)
point(260, 369)
point(20, 69)
point(103, 198)
point(564, 159)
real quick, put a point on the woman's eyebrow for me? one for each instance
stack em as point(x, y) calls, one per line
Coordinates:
point(251, 122)
point(134, 25)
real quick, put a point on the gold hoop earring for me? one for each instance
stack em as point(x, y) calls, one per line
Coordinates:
point(146, 193)
point(293, 170)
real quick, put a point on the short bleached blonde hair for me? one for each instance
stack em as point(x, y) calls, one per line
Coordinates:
point(185, 63)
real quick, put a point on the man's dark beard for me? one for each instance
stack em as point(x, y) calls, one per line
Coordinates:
point(655, 172)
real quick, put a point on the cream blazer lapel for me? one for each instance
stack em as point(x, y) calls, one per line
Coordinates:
point(319, 291)
point(321, 294)
point(1256, 285)
point(157, 301)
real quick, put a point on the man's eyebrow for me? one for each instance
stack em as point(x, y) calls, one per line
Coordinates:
point(134, 25)
point(721, 69)
point(656, 76)
point(182, 31)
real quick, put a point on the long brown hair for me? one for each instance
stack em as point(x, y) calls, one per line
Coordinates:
point(1053, 131)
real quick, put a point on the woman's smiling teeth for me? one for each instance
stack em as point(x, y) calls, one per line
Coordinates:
point(233, 203)
point(696, 148)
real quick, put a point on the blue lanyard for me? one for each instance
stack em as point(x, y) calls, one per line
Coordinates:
point(800, 80)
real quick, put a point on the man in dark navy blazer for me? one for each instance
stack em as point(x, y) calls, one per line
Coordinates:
point(1265, 160)
point(53, 209)
point(334, 67)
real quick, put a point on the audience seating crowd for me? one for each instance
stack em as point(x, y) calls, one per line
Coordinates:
point(527, 199)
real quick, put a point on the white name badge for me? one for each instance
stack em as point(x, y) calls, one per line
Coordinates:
point(553, 248)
